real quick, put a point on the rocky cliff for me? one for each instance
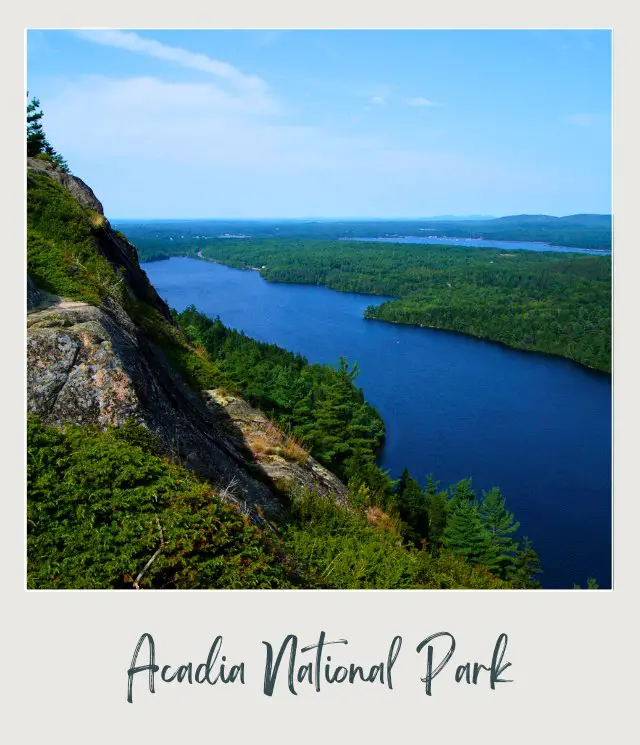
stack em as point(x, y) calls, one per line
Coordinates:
point(98, 364)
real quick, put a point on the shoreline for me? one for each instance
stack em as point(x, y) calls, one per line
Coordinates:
point(424, 241)
point(364, 317)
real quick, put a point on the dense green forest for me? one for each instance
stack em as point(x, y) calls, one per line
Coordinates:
point(580, 231)
point(546, 302)
point(316, 403)
point(106, 509)
point(323, 408)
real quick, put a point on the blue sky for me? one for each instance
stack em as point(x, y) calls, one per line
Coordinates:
point(330, 123)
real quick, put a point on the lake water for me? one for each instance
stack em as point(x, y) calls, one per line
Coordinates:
point(537, 426)
point(481, 243)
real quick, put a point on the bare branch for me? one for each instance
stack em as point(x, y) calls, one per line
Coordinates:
point(157, 553)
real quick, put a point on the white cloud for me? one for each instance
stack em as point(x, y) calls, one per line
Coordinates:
point(227, 142)
point(143, 119)
point(582, 120)
point(135, 43)
point(420, 101)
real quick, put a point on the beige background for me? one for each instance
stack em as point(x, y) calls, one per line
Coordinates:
point(65, 655)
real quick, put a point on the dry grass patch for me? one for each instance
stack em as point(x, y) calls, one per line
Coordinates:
point(382, 520)
point(267, 439)
point(97, 220)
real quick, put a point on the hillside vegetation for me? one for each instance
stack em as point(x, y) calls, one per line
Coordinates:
point(139, 481)
point(545, 302)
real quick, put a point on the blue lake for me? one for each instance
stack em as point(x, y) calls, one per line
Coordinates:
point(537, 426)
point(480, 243)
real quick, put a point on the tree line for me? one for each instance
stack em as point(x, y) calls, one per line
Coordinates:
point(546, 302)
point(322, 406)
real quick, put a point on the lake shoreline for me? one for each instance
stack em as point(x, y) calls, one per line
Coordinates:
point(484, 243)
point(453, 405)
point(489, 340)
point(503, 344)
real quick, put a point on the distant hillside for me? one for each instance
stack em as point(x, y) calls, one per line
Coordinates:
point(584, 220)
point(458, 218)
point(604, 221)
point(573, 231)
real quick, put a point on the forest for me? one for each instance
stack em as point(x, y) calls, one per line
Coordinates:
point(97, 499)
point(318, 404)
point(323, 408)
point(540, 301)
point(579, 231)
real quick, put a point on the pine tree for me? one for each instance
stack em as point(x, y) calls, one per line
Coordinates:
point(36, 139)
point(413, 508)
point(525, 567)
point(333, 414)
point(437, 510)
point(360, 470)
point(37, 143)
point(500, 526)
point(56, 158)
point(464, 533)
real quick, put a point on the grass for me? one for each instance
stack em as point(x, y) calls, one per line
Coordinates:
point(61, 254)
point(268, 439)
point(351, 549)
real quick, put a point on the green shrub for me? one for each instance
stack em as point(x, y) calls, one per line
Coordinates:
point(343, 549)
point(335, 548)
point(61, 254)
point(100, 505)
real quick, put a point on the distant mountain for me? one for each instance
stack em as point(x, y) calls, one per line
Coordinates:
point(584, 220)
point(587, 221)
point(525, 219)
point(457, 218)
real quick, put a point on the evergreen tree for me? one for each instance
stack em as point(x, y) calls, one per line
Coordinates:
point(37, 143)
point(461, 492)
point(464, 533)
point(56, 158)
point(36, 139)
point(413, 509)
point(364, 477)
point(525, 567)
point(500, 526)
point(437, 510)
point(333, 413)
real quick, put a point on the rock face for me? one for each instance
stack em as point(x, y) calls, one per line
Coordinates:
point(76, 366)
point(74, 185)
point(282, 458)
point(90, 365)
point(109, 242)
point(34, 295)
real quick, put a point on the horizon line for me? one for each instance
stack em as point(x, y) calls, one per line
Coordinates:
point(478, 218)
